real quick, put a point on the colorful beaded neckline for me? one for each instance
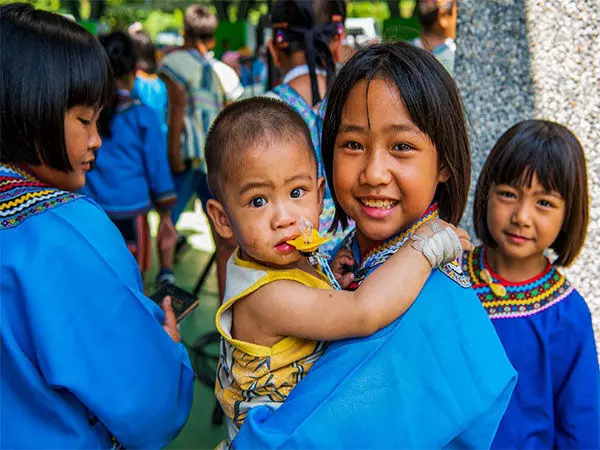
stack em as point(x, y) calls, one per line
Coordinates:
point(502, 299)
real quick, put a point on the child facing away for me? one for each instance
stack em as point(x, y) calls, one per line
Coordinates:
point(278, 309)
point(131, 172)
point(396, 154)
point(195, 97)
point(532, 196)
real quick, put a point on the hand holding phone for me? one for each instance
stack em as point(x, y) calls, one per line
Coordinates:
point(183, 302)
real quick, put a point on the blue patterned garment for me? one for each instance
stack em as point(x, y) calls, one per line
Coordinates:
point(546, 329)
point(85, 359)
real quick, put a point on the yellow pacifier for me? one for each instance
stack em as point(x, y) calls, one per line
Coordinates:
point(309, 239)
point(497, 288)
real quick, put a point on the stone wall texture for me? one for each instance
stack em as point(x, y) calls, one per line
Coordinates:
point(523, 59)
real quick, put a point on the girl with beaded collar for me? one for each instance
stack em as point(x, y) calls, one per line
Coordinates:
point(396, 155)
point(532, 195)
point(87, 360)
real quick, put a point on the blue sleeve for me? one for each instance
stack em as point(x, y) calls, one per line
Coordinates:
point(437, 377)
point(575, 377)
point(156, 161)
point(98, 337)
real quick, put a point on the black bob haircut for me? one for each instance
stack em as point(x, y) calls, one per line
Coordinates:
point(48, 64)
point(553, 154)
point(433, 102)
point(248, 123)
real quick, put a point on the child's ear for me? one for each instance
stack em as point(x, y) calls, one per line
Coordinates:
point(335, 46)
point(444, 174)
point(444, 18)
point(219, 218)
point(321, 192)
point(274, 54)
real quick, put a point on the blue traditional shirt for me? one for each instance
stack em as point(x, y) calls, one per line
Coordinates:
point(546, 329)
point(83, 353)
point(132, 173)
point(437, 377)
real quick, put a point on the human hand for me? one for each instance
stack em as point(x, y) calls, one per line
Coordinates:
point(440, 242)
point(340, 266)
point(170, 322)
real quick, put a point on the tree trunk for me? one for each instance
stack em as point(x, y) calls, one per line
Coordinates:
point(394, 6)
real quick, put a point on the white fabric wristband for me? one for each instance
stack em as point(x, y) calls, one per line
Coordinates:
point(441, 248)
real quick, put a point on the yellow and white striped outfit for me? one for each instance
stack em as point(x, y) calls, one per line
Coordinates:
point(249, 374)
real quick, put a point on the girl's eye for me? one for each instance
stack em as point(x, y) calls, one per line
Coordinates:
point(545, 203)
point(353, 145)
point(258, 202)
point(506, 194)
point(297, 193)
point(402, 147)
point(86, 122)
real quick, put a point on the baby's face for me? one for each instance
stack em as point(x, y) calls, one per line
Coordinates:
point(267, 190)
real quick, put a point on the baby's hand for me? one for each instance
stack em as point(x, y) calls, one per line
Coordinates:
point(340, 266)
point(440, 242)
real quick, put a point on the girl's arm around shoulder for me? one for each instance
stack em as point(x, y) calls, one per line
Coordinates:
point(287, 308)
point(575, 376)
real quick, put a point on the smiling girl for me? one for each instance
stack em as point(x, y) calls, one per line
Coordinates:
point(396, 155)
point(532, 196)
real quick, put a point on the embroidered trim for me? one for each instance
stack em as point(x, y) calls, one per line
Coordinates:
point(455, 273)
point(379, 254)
point(23, 196)
point(521, 300)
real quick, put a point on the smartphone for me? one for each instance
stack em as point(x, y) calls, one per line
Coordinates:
point(183, 301)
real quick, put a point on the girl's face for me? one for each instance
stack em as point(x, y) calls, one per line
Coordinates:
point(524, 221)
point(82, 140)
point(385, 170)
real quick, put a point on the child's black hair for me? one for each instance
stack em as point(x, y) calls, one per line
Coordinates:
point(123, 58)
point(144, 49)
point(309, 25)
point(433, 102)
point(553, 154)
point(48, 64)
point(257, 121)
point(199, 23)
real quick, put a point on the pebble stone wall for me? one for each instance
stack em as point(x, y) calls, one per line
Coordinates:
point(522, 59)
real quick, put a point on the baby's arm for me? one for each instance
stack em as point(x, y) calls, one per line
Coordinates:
point(287, 308)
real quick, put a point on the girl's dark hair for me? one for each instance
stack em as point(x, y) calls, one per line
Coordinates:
point(433, 102)
point(309, 25)
point(144, 49)
point(553, 154)
point(122, 56)
point(48, 64)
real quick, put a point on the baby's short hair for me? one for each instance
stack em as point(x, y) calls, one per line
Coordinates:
point(245, 124)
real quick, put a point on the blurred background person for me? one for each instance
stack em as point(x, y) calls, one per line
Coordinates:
point(438, 22)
